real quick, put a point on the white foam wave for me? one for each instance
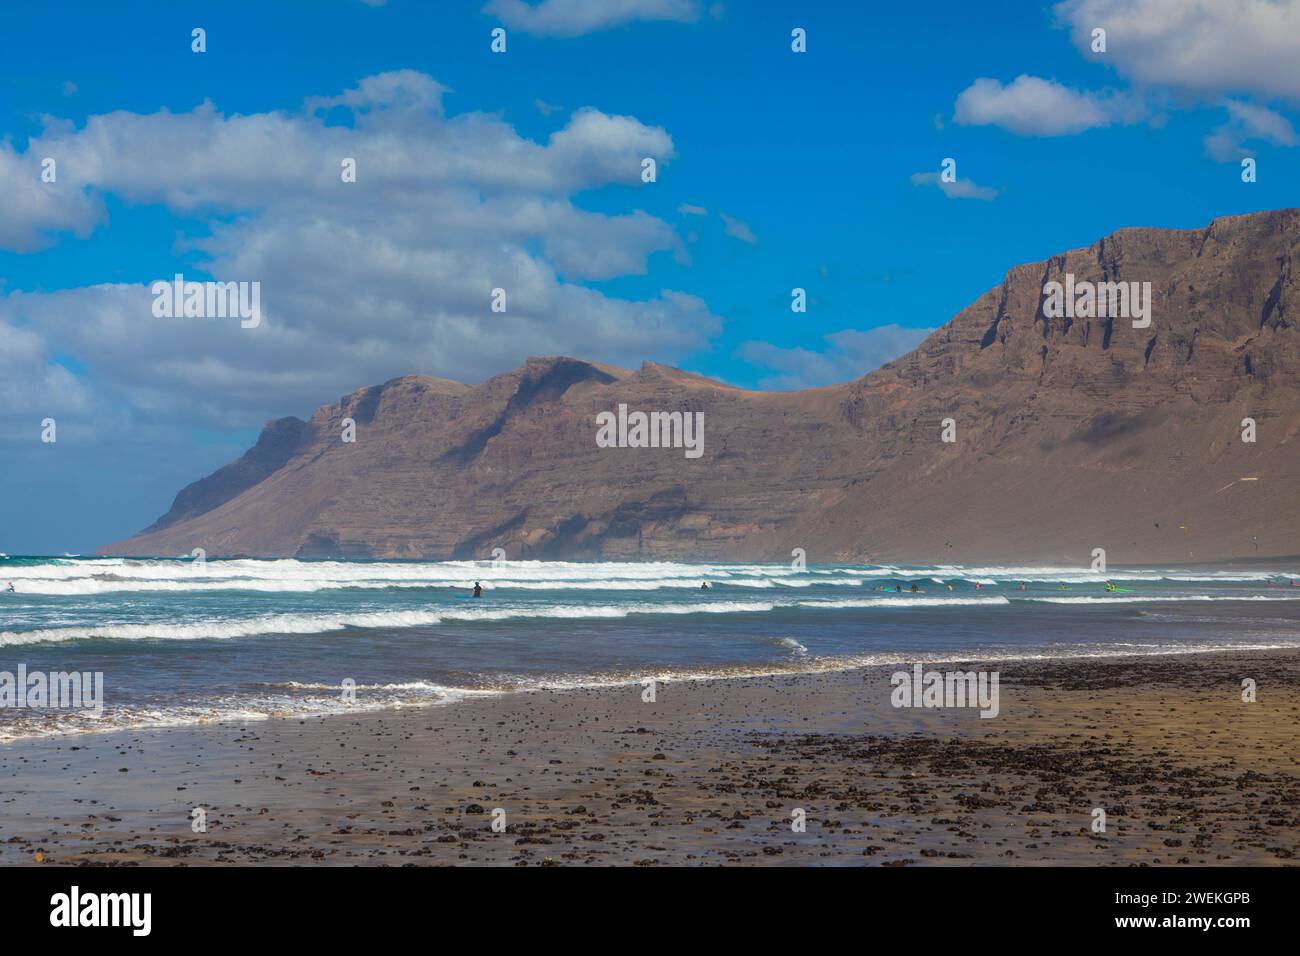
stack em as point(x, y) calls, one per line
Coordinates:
point(103, 585)
point(239, 709)
point(226, 629)
point(406, 694)
point(98, 576)
point(789, 643)
point(907, 600)
point(1160, 598)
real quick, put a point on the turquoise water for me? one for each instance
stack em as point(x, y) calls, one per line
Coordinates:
point(182, 642)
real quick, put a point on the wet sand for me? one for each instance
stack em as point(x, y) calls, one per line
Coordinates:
point(710, 773)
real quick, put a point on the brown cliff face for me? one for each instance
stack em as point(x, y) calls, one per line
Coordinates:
point(1071, 434)
point(279, 440)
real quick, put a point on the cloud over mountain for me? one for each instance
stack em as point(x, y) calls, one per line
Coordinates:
point(383, 276)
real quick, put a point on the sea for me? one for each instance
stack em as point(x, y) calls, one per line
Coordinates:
point(182, 642)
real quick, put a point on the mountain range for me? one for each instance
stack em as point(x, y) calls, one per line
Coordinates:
point(1068, 433)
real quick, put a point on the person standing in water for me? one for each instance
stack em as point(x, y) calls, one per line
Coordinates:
point(478, 589)
point(704, 585)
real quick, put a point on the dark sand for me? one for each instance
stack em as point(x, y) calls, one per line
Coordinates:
point(708, 774)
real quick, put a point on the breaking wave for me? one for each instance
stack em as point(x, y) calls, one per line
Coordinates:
point(325, 623)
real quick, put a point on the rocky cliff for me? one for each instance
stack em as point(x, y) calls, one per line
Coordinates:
point(1071, 433)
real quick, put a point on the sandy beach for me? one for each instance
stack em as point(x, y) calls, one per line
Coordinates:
point(709, 773)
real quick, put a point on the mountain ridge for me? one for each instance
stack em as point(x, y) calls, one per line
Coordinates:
point(1071, 434)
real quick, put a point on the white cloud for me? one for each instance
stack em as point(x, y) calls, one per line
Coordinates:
point(961, 189)
point(32, 386)
point(1031, 106)
point(1260, 122)
point(569, 18)
point(1182, 52)
point(738, 230)
point(852, 354)
point(401, 141)
point(361, 281)
point(1247, 121)
point(397, 90)
point(599, 148)
point(32, 210)
point(1206, 47)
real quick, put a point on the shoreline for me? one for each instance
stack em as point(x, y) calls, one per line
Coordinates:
point(458, 695)
point(936, 560)
point(708, 773)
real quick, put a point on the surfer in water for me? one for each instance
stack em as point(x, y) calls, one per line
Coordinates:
point(704, 585)
point(11, 586)
point(478, 589)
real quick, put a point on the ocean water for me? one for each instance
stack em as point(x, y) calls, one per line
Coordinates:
point(181, 642)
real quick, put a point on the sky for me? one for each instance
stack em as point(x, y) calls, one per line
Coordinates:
point(523, 170)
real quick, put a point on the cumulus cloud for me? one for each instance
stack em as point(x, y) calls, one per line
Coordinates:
point(852, 353)
point(32, 211)
point(598, 148)
point(33, 386)
point(360, 282)
point(961, 189)
point(1206, 47)
point(1247, 121)
point(570, 18)
point(1187, 52)
point(1031, 106)
point(400, 140)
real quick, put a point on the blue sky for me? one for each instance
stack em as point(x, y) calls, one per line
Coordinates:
point(522, 170)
